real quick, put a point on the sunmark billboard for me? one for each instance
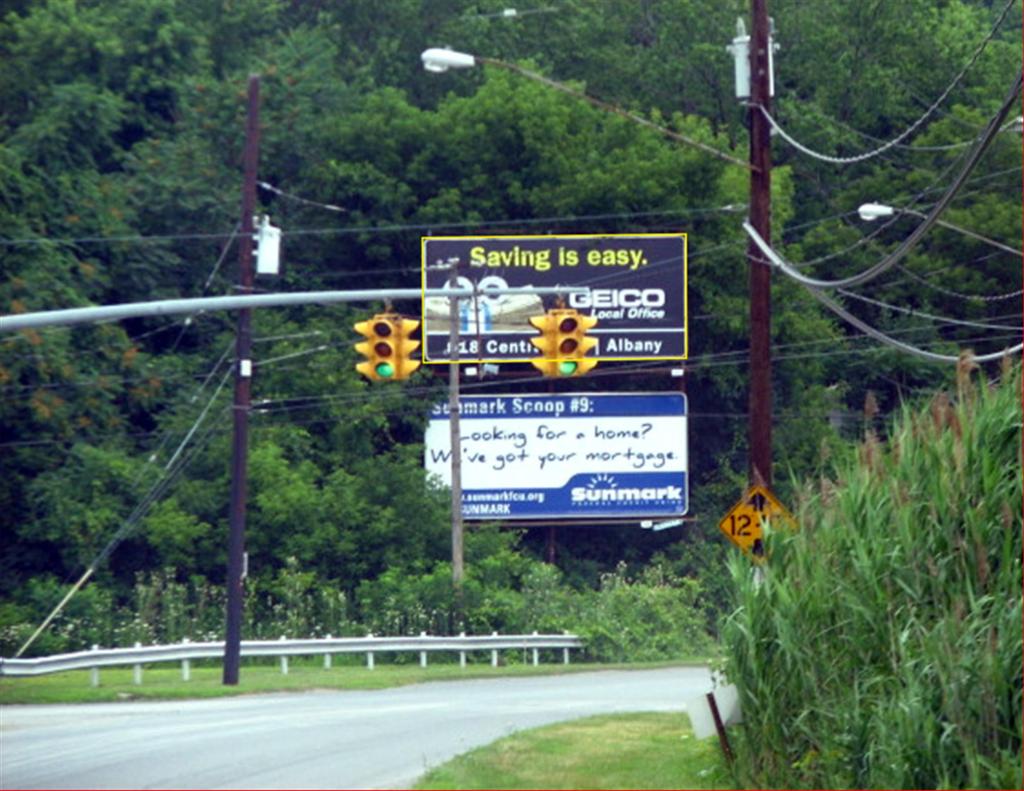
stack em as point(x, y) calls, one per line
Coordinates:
point(574, 456)
point(637, 293)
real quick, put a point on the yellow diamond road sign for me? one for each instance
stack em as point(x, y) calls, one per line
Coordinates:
point(744, 524)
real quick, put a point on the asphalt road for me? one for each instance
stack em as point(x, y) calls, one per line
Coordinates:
point(365, 739)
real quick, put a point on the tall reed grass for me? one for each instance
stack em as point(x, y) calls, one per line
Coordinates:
point(882, 649)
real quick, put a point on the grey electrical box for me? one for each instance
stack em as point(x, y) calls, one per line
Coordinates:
point(268, 248)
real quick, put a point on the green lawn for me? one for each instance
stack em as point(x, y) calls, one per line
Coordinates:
point(163, 682)
point(650, 750)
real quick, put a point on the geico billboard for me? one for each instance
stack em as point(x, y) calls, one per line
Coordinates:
point(637, 293)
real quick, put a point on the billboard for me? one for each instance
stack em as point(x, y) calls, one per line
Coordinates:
point(637, 293)
point(573, 456)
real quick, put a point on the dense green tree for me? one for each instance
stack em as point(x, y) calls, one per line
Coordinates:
point(120, 140)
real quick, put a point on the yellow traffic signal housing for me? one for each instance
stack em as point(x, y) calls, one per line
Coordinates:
point(387, 347)
point(547, 343)
point(405, 363)
point(563, 342)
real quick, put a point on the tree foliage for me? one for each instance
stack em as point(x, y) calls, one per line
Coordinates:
point(120, 142)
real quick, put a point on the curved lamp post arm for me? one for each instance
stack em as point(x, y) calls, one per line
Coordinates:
point(439, 60)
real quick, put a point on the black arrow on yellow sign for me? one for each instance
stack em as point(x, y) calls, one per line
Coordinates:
point(759, 501)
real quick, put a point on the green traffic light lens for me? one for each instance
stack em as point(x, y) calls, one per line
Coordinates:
point(567, 368)
point(385, 370)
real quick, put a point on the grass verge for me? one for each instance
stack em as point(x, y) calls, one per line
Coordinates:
point(163, 682)
point(644, 750)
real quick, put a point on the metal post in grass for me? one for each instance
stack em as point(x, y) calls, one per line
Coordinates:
point(137, 670)
point(536, 654)
point(462, 654)
point(723, 738)
point(423, 654)
point(186, 666)
point(94, 671)
point(327, 658)
point(369, 655)
point(284, 661)
point(494, 652)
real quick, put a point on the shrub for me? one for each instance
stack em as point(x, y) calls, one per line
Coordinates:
point(654, 616)
point(883, 647)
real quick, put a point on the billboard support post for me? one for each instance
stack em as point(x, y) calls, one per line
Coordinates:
point(456, 445)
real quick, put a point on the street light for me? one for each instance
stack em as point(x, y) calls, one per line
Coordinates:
point(439, 60)
point(870, 212)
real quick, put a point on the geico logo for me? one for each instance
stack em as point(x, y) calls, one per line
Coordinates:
point(618, 298)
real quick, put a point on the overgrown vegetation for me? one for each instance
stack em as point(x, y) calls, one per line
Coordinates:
point(651, 616)
point(883, 647)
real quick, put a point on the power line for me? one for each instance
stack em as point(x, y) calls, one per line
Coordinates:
point(512, 13)
point(922, 314)
point(897, 344)
point(137, 514)
point(288, 405)
point(908, 244)
point(817, 293)
point(277, 191)
point(959, 295)
point(712, 360)
point(391, 228)
point(870, 154)
point(1009, 126)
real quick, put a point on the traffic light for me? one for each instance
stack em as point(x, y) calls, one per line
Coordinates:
point(387, 347)
point(563, 342)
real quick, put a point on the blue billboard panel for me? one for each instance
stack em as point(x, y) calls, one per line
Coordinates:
point(574, 456)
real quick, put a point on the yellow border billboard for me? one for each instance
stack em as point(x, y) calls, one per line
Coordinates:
point(637, 281)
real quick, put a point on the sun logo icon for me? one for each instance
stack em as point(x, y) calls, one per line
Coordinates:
point(603, 480)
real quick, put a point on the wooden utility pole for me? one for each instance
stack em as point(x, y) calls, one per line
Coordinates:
point(760, 272)
point(243, 379)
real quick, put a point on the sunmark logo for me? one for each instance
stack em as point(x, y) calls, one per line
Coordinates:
point(604, 489)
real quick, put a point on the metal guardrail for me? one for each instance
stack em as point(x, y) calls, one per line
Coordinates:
point(186, 651)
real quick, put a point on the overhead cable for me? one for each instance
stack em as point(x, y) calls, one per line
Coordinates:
point(923, 315)
point(299, 199)
point(950, 293)
point(878, 335)
point(1009, 126)
point(908, 244)
point(671, 134)
point(393, 228)
point(171, 473)
point(910, 130)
